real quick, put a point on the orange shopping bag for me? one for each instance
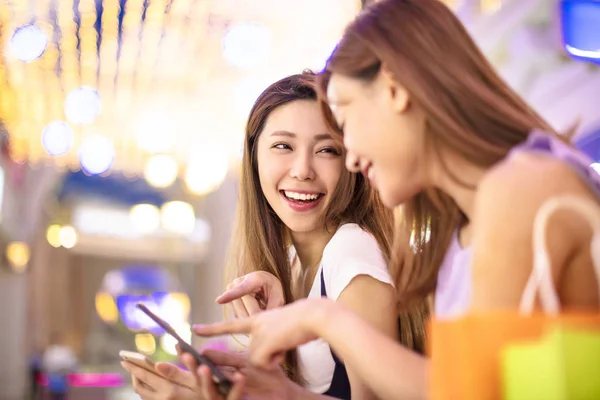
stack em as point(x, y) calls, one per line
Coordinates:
point(467, 352)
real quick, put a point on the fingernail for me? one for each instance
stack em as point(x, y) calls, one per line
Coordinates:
point(197, 326)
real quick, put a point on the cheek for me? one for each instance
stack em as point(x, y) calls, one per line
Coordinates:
point(267, 172)
point(332, 172)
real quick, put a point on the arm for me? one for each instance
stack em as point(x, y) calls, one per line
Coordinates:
point(356, 276)
point(379, 311)
point(389, 369)
point(505, 208)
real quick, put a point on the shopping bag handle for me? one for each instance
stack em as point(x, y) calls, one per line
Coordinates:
point(540, 280)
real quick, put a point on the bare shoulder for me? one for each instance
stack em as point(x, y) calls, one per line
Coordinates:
point(506, 204)
point(535, 174)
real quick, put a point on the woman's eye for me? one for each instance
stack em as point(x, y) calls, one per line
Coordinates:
point(330, 150)
point(281, 146)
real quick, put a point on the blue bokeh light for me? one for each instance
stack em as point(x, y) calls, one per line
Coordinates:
point(581, 29)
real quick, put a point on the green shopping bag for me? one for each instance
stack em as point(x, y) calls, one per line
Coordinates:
point(564, 364)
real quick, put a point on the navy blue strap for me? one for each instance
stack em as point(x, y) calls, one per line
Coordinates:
point(340, 384)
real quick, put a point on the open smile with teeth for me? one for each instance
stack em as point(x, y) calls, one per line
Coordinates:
point(301, 197)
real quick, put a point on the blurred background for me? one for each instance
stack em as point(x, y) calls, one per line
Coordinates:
point(121, 133)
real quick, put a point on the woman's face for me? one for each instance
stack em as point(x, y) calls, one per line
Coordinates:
point(299, 164)
point(383, 134)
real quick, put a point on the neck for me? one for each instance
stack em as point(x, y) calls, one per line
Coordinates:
point(310, 245)
point(469, 175)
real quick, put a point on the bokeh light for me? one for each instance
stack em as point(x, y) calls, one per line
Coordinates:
point(114, 282)
point(28, 43)
point(207, 169)
point(145, 343)
point(175, 307)
point(57, 138)
point(247, 45)
point(145, 218)
point(96, 154)
point(17, 254)
point(169, 343)
point(83, 106)
point(53, 235)
point(161, 171)
point(67, 237)
point(178, 217)
point(106, 308)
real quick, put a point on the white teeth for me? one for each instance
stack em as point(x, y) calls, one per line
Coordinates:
point(300, 196)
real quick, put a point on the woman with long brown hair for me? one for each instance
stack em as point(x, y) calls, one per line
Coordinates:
point(433, 127)
point(310, 229)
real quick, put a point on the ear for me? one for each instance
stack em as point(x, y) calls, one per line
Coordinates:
point(398, 94)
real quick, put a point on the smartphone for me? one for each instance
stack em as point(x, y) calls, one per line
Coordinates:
point(221, 382)
point(138, 359)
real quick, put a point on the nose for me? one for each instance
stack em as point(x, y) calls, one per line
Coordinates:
point(302, 167)
point(352, 162)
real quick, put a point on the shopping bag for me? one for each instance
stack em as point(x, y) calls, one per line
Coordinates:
point(466, 353)
point(564, 364)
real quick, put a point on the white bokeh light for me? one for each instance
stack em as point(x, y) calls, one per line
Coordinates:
point(145, 218)
point(207, 169)
point(247, 45)
point(178, 217)
point(596, 167)
point(57, 138)
point(28, 43)
point(83, 105)
point(169, 343)
point(68, 237)
point(96, 154)
point(114, 282)
point(161, 171)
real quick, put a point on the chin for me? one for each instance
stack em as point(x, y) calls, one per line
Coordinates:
point(300, 226)
point(391, 200)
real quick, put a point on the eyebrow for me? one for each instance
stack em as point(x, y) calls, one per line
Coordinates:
point(318, 138)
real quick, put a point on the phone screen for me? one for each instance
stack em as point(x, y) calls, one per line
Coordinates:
point(223, 384)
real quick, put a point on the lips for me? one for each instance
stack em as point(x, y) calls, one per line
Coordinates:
point(367, 169)
point(301, 200)
point(368, 172)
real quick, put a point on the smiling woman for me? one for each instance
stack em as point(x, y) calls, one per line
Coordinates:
point(300, 216)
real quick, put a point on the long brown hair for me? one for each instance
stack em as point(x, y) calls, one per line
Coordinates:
point(260, 239)
point(469, 110)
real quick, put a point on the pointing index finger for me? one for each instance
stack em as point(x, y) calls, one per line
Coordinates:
point(225, 327)
point(238, 291)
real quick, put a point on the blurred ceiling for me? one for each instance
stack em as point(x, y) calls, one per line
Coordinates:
point(168, 80)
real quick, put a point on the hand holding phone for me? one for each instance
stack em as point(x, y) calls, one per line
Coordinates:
point(222, 383)
point(138, 359)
